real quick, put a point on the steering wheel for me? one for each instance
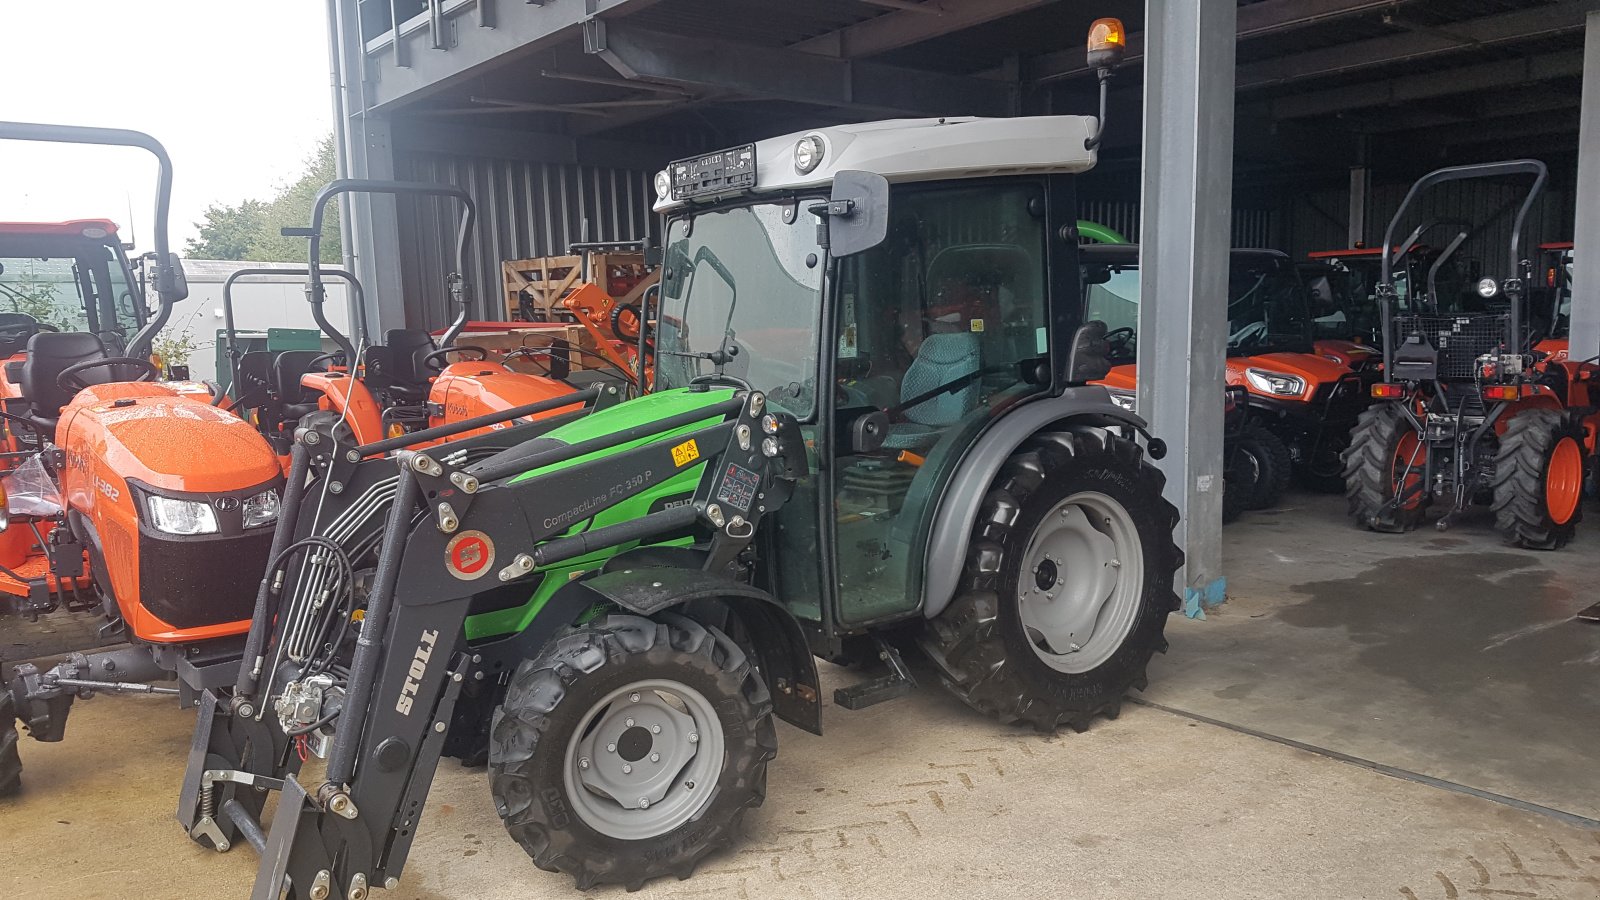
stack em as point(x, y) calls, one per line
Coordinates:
point(19, 330)
point(68, 380)
point(1119, 337)
point(325, 359)
point(442, 352)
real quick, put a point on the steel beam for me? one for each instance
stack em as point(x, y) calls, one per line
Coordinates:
point(519, 30)
point(367, 222)
point(1183, 272)
point(1427, 86)
point(1267, 17)
point(1360, 189)
point(1585, 338)
point(510, 143)
point(1473, 34)
point(912, 24)
point(712, 64)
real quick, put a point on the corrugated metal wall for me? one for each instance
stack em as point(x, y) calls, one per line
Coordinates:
point(1251, 227)
point(525, 210)
point(1317, 220)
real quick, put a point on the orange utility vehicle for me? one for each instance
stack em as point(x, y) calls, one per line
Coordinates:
point(128, 491)
point(1470, 411)
point(1301, 404)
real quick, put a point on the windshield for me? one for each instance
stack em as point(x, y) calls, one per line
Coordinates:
point(1266, 304)
point(69, 283)
point(1114, 301)
point(743, 286)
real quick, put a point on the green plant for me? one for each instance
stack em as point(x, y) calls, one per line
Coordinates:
point(175, 344)
point(36, 297)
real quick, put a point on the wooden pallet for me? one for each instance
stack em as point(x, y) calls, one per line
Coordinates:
point(534, 288)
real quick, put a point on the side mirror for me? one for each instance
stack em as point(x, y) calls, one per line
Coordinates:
point(171, 283)
point(857, 213)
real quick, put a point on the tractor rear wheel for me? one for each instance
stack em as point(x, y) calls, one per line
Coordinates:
point(1538, 479)
point(631, 748)
point(1384, 470)
point(10, 760)
point(1068, 584)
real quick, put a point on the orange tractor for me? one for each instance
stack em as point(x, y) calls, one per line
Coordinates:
point(402, 385)
point(1470, 410)
point(126, 490)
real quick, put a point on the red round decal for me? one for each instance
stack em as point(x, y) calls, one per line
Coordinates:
point(469, 555)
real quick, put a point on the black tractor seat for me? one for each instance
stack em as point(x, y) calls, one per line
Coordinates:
point(287, 369)
point(395, 367)
point(49, 354)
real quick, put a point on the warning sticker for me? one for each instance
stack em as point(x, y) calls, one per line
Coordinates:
point(738, 487)
point(469, 555)
point(685, 453)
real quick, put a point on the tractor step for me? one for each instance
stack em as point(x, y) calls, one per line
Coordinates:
point(897, 682)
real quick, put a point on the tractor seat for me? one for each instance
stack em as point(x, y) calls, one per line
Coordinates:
point(287, 368)
point(395, 367)
point(18, 328)
point(49, 354)
point(941, 359)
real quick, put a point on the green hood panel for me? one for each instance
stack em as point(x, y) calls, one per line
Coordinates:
point(649, 408)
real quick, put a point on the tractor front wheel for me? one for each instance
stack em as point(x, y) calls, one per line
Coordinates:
point(1068, 584)
point(1264, 467)
point(10, 760)
point(631, 748)
point(1385, 470)
point(1538, 479)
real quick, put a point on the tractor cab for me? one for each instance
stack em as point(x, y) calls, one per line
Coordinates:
point(66, 289)
point(895, 358)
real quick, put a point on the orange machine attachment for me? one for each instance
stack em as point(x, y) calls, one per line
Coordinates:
point(614, 326)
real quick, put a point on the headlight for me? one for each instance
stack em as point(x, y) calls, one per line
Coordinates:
point(181, 516)
point(663, 185)
point(1488, 287)
point(1125, 399)
point(808, 153)
point(262, 509)
point(1275, 382)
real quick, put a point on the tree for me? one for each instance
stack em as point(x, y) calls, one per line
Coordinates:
point(251, 229)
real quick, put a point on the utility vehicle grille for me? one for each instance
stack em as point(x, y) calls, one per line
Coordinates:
point(1460, 340)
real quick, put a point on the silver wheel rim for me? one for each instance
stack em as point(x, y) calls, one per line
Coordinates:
point(1081, 582)
point(644, 760)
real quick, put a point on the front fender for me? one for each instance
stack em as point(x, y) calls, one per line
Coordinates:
point(774, 636)
point(964, 492)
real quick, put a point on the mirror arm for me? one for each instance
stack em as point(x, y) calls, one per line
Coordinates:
point(1093, 141)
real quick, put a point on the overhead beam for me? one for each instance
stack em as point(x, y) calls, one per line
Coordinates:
point(711, 64)
point(519, 30)
point(419, 136)
point(1426, 86)
point(912, 24)
point(1268, 17)
point(1411, 46)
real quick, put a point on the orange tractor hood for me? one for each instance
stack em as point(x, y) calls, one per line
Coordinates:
point(168, 439)
point(1310, 368)
point(1121, 378)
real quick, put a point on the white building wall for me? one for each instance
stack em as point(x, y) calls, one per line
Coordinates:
point(259, 302)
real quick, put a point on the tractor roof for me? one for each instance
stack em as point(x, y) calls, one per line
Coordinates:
point(906, 150)
point(74, 227)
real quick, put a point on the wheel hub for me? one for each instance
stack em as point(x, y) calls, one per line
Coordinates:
point(644, 758)
point(1087, 578)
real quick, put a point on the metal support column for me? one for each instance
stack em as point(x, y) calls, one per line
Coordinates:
point(1359, 190)
point(1187, 220)
point(368, 222)
point(1585, 337)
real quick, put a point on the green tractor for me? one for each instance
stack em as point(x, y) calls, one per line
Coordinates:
point(871, 432)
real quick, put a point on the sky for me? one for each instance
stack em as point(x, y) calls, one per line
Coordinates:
point(236, 91)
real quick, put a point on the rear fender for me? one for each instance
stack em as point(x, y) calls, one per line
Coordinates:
point(774, 636)
point(964, 492)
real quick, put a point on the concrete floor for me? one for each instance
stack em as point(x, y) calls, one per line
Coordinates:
point(920, 798)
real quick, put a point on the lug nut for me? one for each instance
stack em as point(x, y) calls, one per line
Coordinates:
point(694, 738)
point(583, 762)
point(655, 729)
point(634, 697)
point(655, 757)
point(627, 769)
point(644, 802)
point(611, 748)
point(628, 722)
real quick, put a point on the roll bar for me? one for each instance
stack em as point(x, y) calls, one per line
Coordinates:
point(455, 281)
point(171, 286)
point(231, 338)
point(1513, 261)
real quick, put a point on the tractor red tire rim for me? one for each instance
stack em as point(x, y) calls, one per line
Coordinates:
point(1563, 481)
point(1410, 457)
